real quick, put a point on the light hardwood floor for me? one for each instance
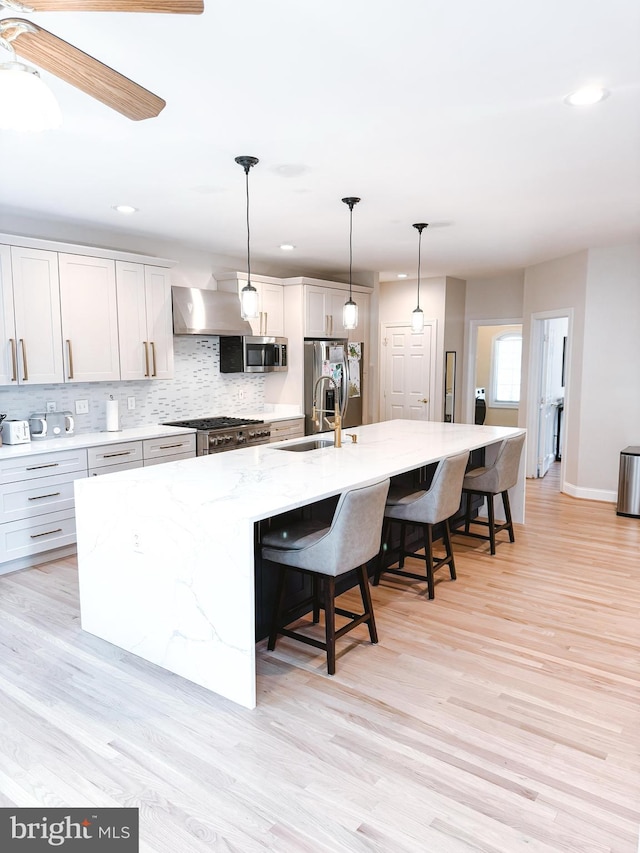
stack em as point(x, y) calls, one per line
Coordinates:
point(502, 716)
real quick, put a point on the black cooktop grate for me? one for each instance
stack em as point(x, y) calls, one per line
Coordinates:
point(213, 423)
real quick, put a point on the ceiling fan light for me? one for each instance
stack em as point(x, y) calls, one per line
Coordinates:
point(26, 102)
point(350, 314)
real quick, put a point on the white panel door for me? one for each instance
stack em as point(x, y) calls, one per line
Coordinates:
point(89, 318)
point(159, 321)
point(408, 373)
point(36, 295)
point(132, 321)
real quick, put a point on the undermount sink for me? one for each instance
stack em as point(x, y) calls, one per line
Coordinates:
point(315, 444)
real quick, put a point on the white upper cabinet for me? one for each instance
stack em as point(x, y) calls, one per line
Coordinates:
point(89, 318)
point(30, 330)
point(270, 320)
point(323, 313)
point(144, 321)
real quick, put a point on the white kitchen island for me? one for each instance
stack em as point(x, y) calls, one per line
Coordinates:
point(166, 554)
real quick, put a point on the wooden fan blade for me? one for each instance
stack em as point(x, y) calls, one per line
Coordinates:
point(174, 7)
point(84, 72)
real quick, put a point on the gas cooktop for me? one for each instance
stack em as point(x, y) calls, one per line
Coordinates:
point(214, 423)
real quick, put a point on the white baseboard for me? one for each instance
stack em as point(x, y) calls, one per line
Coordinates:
point(36, 559)
point(589, 494)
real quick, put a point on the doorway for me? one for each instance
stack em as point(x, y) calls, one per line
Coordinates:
point(491, 392)
point(407, 376)
point(548, 392)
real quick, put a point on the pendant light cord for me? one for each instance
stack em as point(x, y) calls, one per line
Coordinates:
point(350, 248)
point(420, 226)
point(248, 230)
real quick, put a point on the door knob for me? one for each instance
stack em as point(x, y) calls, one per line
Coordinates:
point(424, 400)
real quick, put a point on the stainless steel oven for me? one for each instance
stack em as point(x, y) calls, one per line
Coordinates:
point(217, 434)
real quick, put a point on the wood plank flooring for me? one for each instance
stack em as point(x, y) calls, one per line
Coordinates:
point(501, 717)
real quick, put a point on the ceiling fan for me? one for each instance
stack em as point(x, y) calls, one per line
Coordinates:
point(71, 64)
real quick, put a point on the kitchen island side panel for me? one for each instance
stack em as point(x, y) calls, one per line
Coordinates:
point(171, 583)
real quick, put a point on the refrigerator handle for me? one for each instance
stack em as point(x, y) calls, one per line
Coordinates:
point(345, 385)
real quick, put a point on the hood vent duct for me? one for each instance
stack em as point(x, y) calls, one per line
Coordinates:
point(207, 312)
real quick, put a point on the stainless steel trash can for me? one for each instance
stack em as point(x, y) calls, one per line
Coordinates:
point(629, 483)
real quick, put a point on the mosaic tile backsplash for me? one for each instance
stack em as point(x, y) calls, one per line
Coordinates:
point(198, 389)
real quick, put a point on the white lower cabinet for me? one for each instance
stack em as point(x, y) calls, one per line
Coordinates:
point(169, 448)
point(36, 502)
point(37, 509)
point(289, 428)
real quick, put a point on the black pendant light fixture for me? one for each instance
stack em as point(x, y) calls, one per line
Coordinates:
point(248, 295)
point(417, 317)
point(350, 309)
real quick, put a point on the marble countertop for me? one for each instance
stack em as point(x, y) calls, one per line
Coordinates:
point(265, 480)
point(89, 439)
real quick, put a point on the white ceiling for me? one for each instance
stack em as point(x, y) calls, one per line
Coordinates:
point(444, 111)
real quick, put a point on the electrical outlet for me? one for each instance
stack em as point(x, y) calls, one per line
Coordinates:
point(131, 403)
point(82, 407)
point(51, 406)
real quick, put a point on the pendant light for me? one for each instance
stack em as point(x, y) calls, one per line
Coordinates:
point(248, 294)
point(350, 309)
point(417, 317)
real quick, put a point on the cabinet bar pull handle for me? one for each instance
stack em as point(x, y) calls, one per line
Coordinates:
point(40, 497)
point(48, 533)
point(168, 446)
point(47, 465)
point(14, 361)
point(70, 351)
point(266, 323)
point(122, 453)
point(153, 355)
point(146, 358)
point(25, 369)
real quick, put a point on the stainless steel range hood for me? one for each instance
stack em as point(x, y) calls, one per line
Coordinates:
point(207, 312)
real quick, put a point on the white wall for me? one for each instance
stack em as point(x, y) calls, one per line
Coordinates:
point(454, 332)
point(558, 285)
point(610, 386)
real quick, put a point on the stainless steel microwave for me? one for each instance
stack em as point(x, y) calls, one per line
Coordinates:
point(248, 354)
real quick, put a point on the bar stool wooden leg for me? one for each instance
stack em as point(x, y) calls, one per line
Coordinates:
point(277, 611)
point(492, 523)
point(467, 513)
point(449, 549)
point(315, 591)
point(330, 622)
point(403, 534)
point(428, 553)
point(367, 604)
point(507, 514)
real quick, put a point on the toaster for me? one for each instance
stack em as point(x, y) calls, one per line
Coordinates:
point(15, 432)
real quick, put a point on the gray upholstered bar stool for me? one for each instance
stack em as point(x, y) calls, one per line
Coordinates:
point(426, 508)
point(326, 552)
point(490, 481)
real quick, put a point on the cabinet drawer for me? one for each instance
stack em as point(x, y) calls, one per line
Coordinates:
point(32, 536)
point(293, 428)
point(113, 454)
point(155, 448)
point(160, 460)
point(113, 469)
point(34, 465)
point(37, 497)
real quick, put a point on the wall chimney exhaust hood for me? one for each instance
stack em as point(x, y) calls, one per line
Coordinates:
point(207, 312)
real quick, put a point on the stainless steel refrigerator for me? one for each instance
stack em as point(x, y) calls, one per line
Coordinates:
point(342, 361)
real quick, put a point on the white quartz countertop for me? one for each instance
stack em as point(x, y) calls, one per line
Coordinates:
point(258, 482)
point(89, 439)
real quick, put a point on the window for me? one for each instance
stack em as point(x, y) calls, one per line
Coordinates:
point(505, 373)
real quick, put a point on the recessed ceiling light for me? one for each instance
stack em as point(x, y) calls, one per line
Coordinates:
point(127, 209)
point(586, 96)
point(402, 275)
point(287, 247)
